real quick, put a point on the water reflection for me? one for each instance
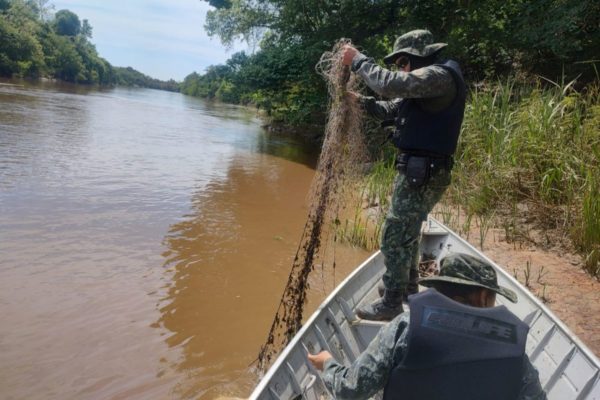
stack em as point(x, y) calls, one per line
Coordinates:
point(288, 148)
point(229, 258)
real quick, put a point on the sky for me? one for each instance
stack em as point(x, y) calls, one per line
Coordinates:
point(164, 39)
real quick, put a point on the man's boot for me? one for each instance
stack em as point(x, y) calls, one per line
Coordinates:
point(383, 309)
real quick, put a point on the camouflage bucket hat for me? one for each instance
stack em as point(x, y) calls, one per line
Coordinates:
point(417, 43)
point(468, 270)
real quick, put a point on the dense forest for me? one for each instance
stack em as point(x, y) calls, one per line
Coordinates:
point(127, 76)
point(35, 42)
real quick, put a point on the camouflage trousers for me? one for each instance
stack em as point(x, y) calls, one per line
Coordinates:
point(402, 227)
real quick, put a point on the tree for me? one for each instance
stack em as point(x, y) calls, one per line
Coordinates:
point(69, 64)
point(4, 5)
point(305, 20)
point(66, 23)
point(41, 8)
point(86, 29)
point(237, 60)
point(20, 50)
point(31, 45)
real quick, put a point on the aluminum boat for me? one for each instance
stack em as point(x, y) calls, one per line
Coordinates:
point(568, 369)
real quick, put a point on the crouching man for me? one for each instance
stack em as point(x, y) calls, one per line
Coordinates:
point(452, 344)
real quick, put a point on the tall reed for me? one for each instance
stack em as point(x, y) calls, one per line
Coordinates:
point(535, 149)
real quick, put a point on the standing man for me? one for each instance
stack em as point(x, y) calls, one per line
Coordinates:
point(427, 105)
point(453, 344)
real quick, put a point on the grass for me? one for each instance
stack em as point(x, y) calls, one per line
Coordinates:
point(533, 148)
point(529, 155)
point(368, 209)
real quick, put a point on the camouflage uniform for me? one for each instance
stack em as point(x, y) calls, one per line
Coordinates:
point(436, 89)
point(369, 373)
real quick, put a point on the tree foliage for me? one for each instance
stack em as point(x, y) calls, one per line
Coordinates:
point(303, 20)
point(34, 44)
point(20, 52)
point(130, 77)
point(554, 38)
point(492, 38)
point(66, 23)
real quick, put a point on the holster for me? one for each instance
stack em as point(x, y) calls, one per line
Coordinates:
point(419, 168)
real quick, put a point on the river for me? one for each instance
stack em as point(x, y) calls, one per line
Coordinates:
point(145, 240)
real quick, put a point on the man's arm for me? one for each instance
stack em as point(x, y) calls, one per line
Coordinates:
point(427, 82)
point(383, 110)
point(531, 389)
point(368, 374)
point(423, 83)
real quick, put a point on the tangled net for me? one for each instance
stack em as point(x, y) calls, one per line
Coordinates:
point(341, 155)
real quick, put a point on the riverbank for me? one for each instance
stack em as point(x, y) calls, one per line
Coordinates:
point(123, 77)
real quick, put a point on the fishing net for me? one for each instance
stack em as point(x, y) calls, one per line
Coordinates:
point(342, 154)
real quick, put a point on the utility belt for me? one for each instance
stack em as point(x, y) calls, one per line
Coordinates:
point(418, 167)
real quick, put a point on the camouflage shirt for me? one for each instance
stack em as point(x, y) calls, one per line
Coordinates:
point(433, 85)
point(368, 374)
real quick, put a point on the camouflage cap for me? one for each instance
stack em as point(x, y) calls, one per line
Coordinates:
point(417, 43)
point(468, 270)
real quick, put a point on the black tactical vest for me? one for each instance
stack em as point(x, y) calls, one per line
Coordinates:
point(420, 131)
point(459, 352)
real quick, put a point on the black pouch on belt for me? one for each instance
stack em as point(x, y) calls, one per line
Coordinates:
point(417, 170)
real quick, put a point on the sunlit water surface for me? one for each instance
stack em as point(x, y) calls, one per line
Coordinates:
point(145, 239)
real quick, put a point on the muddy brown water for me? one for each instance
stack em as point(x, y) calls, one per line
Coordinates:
point(145, 241)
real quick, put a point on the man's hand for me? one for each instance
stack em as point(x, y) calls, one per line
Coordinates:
point(348, 53)
point(318, 360)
